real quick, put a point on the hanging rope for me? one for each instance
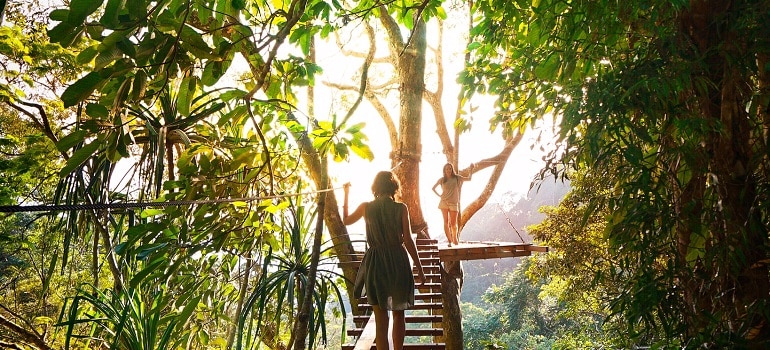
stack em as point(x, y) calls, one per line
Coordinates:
point(124, 205)
point(510, 222)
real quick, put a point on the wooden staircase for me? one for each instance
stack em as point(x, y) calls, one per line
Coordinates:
point(424, 330)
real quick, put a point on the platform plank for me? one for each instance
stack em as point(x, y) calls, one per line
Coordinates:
point(486, 250)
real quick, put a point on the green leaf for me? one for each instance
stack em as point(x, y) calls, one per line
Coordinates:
point(193, 41)
point(139, 88)
point(149, 212)
point(64, 34)
point(111, 12)
point(81, 9)
point(87, 55)
point(149, 269)
point(187, 91)
point(107, 56)
point(362, 151)
point(79, 157)
point(239, 5)
point(69, 141)
point(137, 8)
point(145, 250)
point(59, 15)
point(188, 310)
point(212, 72)
point(81, 89)
point(97, 111)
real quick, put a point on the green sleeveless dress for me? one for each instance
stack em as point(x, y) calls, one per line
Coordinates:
point(387, 272)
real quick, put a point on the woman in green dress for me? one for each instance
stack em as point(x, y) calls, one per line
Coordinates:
point(386, 272)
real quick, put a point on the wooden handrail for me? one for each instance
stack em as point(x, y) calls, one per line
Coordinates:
point(368, 336)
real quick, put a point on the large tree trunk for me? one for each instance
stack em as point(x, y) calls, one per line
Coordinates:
point(451, 285)
point(406, 158)
point(734, 277)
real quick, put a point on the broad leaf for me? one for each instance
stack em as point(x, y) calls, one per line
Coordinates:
point(81, 89)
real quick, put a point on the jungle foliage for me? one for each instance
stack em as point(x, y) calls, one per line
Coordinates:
point(663, 110)
point(667, 102)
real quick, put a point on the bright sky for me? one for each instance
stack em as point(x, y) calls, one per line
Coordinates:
point(475, 145)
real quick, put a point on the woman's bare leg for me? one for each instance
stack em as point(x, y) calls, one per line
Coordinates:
point(454, 227)
point(381, 321)
point(399, 329)
point(447, 226)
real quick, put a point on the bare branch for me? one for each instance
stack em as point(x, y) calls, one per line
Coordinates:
point(369, 87)
point(434, 101)
point(43, 123)
point(25, 335)
point(397, 43)
point(497, 161)
point(386, 118)
point(364, 74)
point(350, 53)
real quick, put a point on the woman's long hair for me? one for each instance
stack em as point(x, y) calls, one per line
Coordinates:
point(443, 172)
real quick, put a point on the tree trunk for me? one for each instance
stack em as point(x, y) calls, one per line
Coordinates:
point(734, 277)
point(338, 232)
point(406, 159)
point(22, 334)
point(451, 285)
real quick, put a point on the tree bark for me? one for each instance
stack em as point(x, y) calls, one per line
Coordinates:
point(24, 335)
point(337, 230)
point(451, 285)
point(735, 277)
point(301, 327)
point(406, 158)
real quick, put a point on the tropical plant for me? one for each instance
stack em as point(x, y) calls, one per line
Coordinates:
point(280, 289)
point(127, 319)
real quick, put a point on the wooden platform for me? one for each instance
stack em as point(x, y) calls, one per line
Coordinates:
point(486, 250)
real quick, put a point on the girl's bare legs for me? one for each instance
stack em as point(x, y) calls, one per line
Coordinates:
point(381, 321)
point(399, 329)
point(447, 226)
point(454, 235)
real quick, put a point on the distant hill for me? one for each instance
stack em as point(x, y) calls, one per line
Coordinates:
point(504, 222)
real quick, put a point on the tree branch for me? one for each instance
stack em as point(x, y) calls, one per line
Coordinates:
point(364, 75)
point(43, 124)
point(296, 11)
point(25, 335)
point(498, 162)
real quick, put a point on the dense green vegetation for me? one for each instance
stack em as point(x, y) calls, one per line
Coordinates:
point(662, 110)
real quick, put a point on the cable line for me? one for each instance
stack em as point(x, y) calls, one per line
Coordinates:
point(124, 205)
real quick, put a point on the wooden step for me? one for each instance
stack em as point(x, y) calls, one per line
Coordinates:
point(416, 306)
point(427, 254)
point(432, 261)
point(433, 296)
point(428, 269)
point(427, 296)
point(409, 318)
point(410, 332)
